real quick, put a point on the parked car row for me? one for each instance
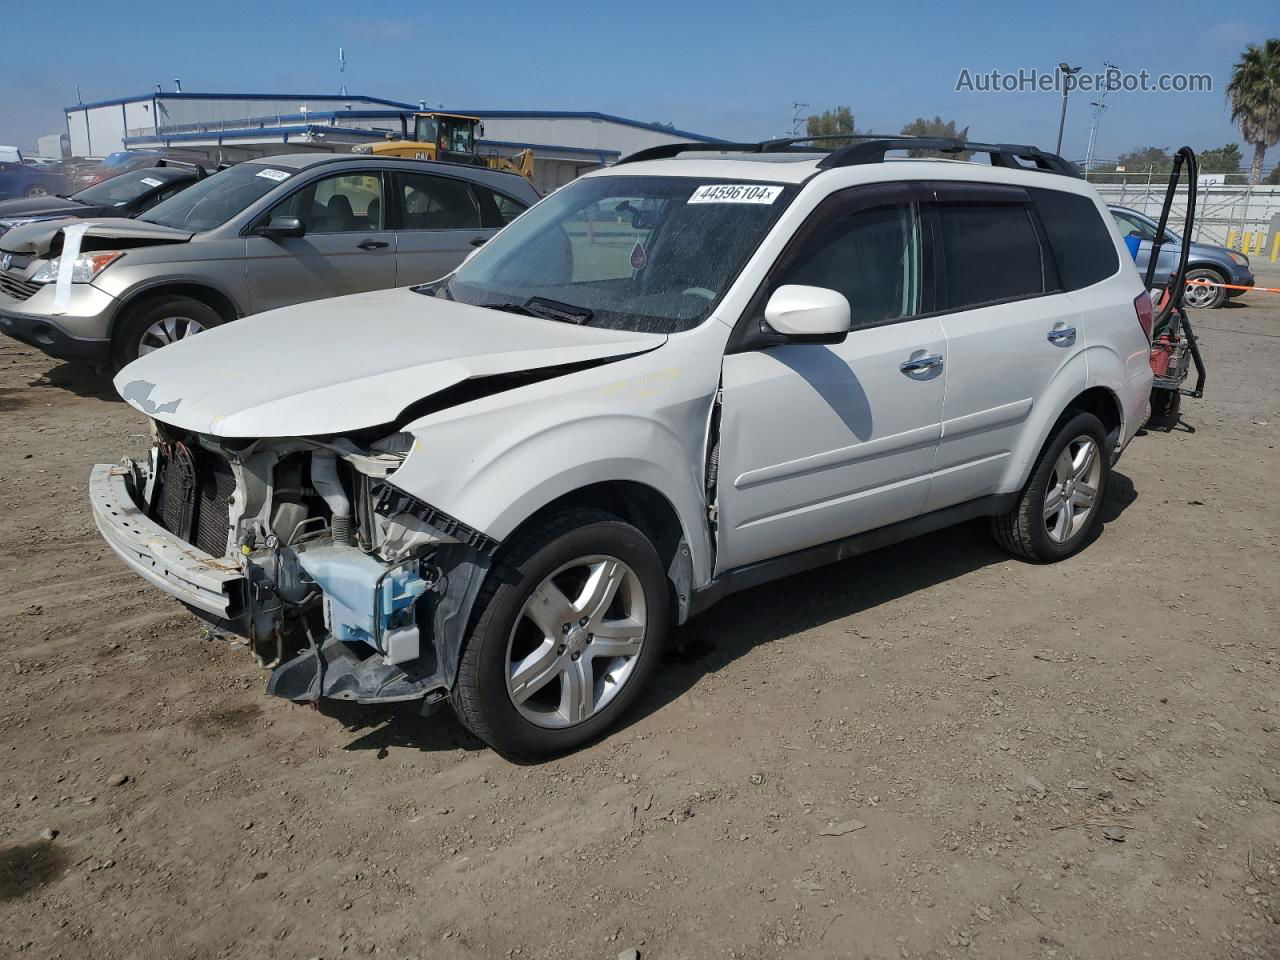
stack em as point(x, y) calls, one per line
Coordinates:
point(256, 236)
point(670, 380)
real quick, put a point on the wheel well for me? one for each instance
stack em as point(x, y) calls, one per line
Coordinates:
point(639, 504)
point(1208, 266)
point(210, 297)
point(1103, 404)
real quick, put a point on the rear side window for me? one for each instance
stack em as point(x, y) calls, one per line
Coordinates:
point(437, 203)
point(992, 253)
point(497, 209)
point(1082, 245)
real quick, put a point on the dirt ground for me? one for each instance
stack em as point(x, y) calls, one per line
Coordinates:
point(1080, 760)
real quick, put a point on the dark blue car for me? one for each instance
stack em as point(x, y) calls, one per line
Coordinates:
point(25, 180)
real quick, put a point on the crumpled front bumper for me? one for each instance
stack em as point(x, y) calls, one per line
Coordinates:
point(212, 584)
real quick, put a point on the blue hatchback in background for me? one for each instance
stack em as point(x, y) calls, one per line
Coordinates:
point(1205, 261)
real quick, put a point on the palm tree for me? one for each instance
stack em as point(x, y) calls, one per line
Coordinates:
point(1254, 95)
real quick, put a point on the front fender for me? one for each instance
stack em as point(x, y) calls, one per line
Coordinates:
point(496, 464)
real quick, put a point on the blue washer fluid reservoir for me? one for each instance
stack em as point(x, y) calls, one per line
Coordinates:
point(359, 608)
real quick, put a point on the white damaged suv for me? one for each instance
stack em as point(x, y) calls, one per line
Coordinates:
point(678, 377)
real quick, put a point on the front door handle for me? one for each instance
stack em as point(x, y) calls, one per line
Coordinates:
point(479, 241)
point(372, 244)
point(920, 364)
point(1066, 335)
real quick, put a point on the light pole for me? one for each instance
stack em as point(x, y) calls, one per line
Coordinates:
point(1099, 108)
point(1066, 73)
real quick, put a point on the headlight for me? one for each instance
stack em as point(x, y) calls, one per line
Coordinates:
point(17, 222)
point(1239, 258)
point(86, 267)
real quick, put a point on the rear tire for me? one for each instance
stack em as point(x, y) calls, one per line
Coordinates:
point(1060, 509)
point(157, 322)
point(539, 678)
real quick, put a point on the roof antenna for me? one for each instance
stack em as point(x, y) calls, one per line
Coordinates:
point(177, 82)
point(159, 89)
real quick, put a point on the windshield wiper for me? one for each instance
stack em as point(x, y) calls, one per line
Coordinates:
point(519, 308)
point(546, 309)
point(558, 310)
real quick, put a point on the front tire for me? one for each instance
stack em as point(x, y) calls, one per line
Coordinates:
point(1060, 508)
point(1203, 297)
point(567, 635)
point(157, 323)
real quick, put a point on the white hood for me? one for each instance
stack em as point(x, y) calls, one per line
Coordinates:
point(332, 366)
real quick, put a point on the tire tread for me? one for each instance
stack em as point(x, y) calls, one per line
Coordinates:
point(466, 704)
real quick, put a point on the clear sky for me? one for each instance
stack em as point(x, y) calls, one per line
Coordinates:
point(728, 69)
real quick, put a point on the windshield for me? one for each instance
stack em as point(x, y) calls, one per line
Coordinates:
point(448, 133)
point(216, 199)
point(456, 136)
point(649, 254)
point(120, 190)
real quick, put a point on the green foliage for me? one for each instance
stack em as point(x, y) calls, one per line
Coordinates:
point(839, 120)
point(922, 127)
point(1275, 175)
point(1156, 159)
point(1225, 159)
point(1254, 95)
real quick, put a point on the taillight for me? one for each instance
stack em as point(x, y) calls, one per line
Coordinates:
point(1146, 313)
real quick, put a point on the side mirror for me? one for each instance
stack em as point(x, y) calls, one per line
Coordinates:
point(281, 227)
point(808, 314)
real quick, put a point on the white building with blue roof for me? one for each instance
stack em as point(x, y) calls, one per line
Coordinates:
point(566, 143)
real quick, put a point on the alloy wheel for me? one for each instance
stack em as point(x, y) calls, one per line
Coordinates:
point(167, 331)
point(1199, 295)
point(1073, 489)
point(576, 641)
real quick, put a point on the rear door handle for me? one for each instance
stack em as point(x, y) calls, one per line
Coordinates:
point(919, 364)
point(372, 244)
point(479, 241)
point(1062, 335)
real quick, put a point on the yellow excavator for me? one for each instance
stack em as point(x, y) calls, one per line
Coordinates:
point(450, 137)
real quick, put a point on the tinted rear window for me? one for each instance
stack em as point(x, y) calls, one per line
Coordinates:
point(1082, 245)
point(992, 253)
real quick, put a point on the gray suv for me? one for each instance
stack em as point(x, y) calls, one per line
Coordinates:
point(257, 236)
point(1205, 261)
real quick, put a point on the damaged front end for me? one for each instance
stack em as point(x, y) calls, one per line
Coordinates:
point(342, 584)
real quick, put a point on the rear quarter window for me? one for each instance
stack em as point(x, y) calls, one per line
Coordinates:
point(1081, 243)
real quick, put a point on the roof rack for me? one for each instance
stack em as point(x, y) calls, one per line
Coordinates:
point(665, 151)
point(871, 148)
point(1010, 155)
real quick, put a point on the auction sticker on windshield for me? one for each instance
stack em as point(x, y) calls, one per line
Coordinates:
point(276, 175)
point(152, 182)
point(735, 193)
